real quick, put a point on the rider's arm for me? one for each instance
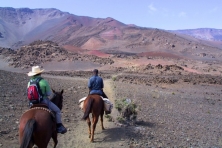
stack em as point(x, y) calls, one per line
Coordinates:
point(48, 89)
point(44, 85)
point(102, 84)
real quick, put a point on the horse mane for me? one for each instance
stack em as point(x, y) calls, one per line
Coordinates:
point(53, 98)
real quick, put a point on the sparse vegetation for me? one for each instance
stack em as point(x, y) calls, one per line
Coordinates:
point(109, 118)
point(127, 110)
point(120, 119)
point(114, 78)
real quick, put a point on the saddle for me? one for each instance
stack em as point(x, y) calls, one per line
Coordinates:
point(43, 107)
point(39, 105)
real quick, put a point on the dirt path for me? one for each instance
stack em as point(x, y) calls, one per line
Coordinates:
point(108, 89)
point(77, 136)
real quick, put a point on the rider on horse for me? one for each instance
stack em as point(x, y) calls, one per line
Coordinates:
point(95, 84)
point(46, 92)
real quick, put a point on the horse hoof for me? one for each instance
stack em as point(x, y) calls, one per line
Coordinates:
point(91, 141)
point(103, 128)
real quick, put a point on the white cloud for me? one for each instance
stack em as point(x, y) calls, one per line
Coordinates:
point(182, 14)
point(152, 8)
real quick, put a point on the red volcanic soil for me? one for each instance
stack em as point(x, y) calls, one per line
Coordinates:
point(97, 53)
point(93, 43)
point(111, 34)
point(73, 48)
point(159, 54)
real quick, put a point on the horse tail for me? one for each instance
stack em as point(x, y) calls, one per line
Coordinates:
point(88, 108)
point(27, 136)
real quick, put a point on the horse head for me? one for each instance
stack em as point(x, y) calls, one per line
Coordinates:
point(58, 99)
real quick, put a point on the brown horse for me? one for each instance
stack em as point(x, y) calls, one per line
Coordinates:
point(93, 104)
point(37, 125)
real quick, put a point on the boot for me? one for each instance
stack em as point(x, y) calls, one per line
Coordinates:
point(61, 129)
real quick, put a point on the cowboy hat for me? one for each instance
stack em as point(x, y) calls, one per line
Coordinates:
point(35, 70)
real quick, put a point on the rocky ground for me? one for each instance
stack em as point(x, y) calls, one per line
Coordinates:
point(40, 52)
point(178, 114)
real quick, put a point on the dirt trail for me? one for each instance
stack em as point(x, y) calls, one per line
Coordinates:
point(108, 89)
point(77, 136)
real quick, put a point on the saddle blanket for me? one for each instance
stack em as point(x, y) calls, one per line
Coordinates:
point(108, 106)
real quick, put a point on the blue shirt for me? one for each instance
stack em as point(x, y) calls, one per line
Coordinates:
point(95, 84)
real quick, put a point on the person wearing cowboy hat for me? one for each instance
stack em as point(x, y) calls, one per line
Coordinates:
point(46, 92)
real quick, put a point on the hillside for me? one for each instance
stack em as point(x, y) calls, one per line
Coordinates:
point(22, 26)
point(174, 79)
point(209, 34)
point(40, 52)
point(19, 27)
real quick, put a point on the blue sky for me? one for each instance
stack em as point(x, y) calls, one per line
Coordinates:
point(162, 14)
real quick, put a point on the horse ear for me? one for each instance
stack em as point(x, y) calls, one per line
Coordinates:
point(53, 90)
point(61, 92)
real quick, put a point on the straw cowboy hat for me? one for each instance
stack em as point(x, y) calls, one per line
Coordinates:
point(35, 70)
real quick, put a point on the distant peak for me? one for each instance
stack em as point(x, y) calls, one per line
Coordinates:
point(132, 25)
point(109, 18)
point(27, 9)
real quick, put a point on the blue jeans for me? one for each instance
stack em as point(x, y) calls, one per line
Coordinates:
point(54, 108)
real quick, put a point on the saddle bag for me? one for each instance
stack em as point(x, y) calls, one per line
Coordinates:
point(108, 106)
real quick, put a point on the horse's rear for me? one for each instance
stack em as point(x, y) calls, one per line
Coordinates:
point(93, 104)
point(37, 127)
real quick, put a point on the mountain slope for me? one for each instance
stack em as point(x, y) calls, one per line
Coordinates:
point(203, 33)
point(208, 36)
point(22, 26)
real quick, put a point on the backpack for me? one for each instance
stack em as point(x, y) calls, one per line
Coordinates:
point(34, 92)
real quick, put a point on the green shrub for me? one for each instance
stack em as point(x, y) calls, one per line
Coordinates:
point(110, 118)
point(120, 119)
point(114, 78)
point(127, 109)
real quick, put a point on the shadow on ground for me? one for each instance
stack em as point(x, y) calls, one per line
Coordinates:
point(124, 133)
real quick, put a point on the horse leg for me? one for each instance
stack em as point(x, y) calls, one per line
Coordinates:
point(89, 125)
point(54, 137)
point(101, 119)
point(95, 120)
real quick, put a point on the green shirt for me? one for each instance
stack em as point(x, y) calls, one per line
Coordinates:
point(44, 86)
